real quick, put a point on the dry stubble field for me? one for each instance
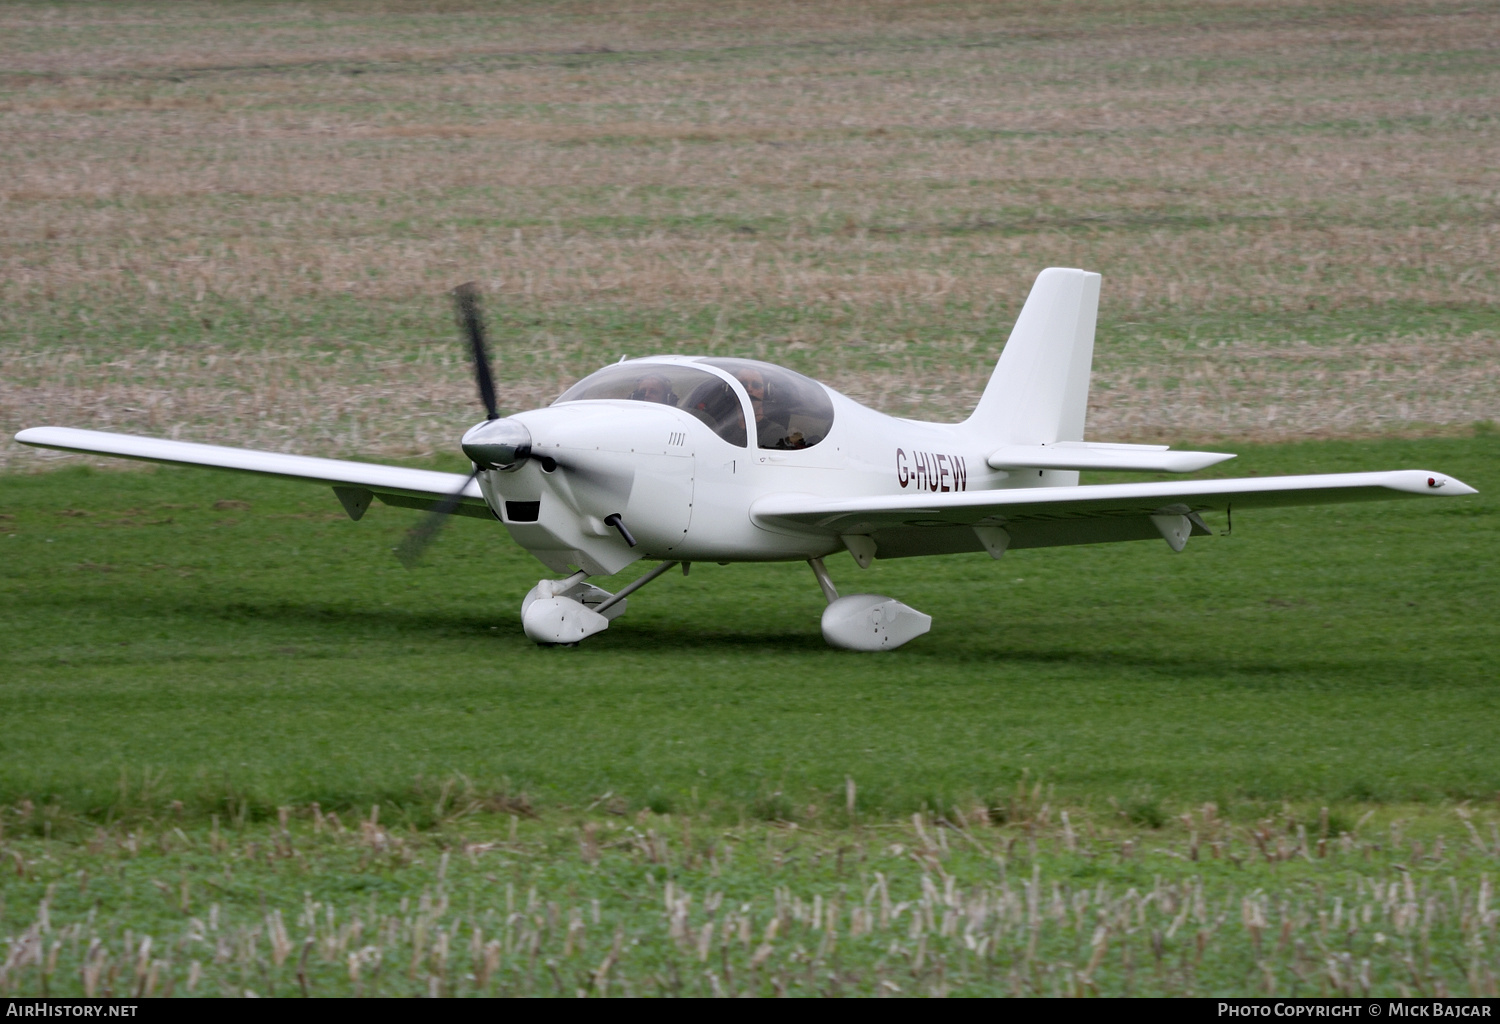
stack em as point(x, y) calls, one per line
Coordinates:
point(234, 222)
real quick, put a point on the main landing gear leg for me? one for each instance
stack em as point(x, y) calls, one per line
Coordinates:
point(824, 580)
point(866, 622)
point(563, 612)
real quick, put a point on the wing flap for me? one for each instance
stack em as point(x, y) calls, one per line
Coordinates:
point(394, 485)
point(1040, 505)
point(907, 541)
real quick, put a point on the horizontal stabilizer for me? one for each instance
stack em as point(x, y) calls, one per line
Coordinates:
point(394, 485)
point(1123, 458)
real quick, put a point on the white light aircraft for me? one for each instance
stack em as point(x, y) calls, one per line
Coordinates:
point(684, 459)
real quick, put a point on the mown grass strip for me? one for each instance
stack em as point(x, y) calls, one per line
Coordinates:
point(240, 642)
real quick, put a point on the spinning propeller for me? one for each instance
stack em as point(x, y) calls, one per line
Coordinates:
point(466, 307)
point(495, 444)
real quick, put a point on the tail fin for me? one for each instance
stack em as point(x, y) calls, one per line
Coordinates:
point(1039, 391)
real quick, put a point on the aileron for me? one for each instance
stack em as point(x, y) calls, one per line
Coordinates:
point(386, 482)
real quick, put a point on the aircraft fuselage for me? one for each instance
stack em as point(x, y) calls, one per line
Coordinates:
point(686, 492)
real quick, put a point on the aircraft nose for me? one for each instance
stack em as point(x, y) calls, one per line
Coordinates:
point(498, 444)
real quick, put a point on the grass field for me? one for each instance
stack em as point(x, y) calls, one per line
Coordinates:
point(237, 645)
point(243, 750)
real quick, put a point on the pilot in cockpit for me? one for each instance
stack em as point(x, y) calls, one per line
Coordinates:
point(654, 387)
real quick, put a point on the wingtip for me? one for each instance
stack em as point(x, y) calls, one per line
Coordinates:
point(33, 435)
point(1192, 462)
point(1423, 481)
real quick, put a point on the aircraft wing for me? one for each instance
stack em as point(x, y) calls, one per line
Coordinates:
point(354, 482)
point(927, 524)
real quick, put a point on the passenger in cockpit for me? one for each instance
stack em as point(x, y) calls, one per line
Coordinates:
point(769, 432)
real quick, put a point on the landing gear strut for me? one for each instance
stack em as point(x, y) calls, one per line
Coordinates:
point(567, 611)
point(563, 612)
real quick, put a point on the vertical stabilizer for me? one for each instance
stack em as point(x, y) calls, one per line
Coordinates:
point(1039, 391)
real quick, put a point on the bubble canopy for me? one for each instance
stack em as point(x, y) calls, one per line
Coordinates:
point(791, 411)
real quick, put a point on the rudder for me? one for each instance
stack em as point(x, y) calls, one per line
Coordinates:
point(1039, 392)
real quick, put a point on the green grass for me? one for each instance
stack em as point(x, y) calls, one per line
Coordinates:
point(245, 753)
point(236, 660)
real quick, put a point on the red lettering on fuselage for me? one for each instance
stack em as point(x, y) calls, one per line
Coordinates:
point(929, 471)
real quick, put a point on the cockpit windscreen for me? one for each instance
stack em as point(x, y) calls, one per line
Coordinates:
point(680, 385)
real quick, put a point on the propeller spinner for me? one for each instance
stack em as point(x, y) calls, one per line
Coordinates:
point(498, 444)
